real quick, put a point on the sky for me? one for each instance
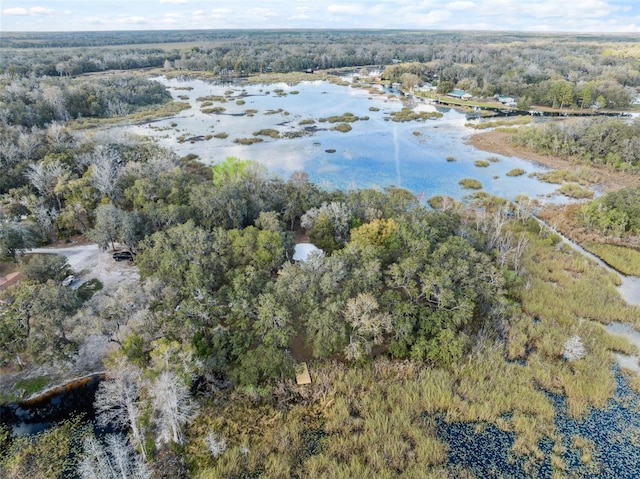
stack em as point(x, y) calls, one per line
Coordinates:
point(514, 15)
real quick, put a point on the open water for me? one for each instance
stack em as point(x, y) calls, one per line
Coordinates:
point(377, 152)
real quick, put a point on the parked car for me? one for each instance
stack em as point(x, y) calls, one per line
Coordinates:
point(68, 280)
point(123, 256)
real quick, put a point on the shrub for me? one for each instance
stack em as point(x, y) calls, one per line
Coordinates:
point(267, 132)
point(216, 110)
point(342, 127)
point(247, 141)
point(470, 184)
point(573, 190)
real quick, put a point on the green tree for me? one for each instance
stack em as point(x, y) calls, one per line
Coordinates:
point(41, 311)
point(43, 267)
point(107, 228)
point(15, 238)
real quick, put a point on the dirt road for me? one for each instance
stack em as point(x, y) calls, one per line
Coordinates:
point(89, 261)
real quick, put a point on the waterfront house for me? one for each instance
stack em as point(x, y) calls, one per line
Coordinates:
point(459, 94)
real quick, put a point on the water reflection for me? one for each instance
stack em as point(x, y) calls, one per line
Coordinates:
point(375, 153)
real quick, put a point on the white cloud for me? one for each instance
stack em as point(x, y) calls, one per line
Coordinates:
point(431, 19)
point(517, 15)
point(460, 6)
point(345, 9)
point(262, 12)
point(15, 11)
point(132, 20)
point(36, 11)
point(219, 13)
point(33, 11)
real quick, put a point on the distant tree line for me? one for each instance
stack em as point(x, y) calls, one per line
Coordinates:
point(608, 142)
point(39, 101)
point(553, 70)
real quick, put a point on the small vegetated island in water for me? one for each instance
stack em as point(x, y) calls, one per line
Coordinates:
point(418, 325)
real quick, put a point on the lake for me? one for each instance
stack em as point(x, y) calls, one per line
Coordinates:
point(377, 152)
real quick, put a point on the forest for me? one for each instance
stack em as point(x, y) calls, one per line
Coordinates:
point(415, 316)
point(551, 70)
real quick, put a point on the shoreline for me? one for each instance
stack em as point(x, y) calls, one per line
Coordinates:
point(499, 142)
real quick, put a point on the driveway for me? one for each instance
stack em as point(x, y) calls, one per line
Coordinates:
point(89, 261)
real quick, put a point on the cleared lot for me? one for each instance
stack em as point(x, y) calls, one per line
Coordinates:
point(89, 261)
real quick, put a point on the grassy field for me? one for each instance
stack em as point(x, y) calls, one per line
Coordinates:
point(142, 115)
point(625, 260)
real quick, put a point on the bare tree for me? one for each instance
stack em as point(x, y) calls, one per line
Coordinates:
point(44, 216)
point(29, 144)
point(45, 176)
point(115, 459)
point(368, 325)
point(118, 401)
point(173, 407)
point(105, 166)
point(54, 96)
point(58, 135)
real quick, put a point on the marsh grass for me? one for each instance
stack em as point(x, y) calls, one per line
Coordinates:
point(221, 135)
point(470, 184)
point(624, 260)
point(516, 172)
point(291, 78)
point(25, 388)
point(481, 163)
point(342, 127)
point(248, 141)
point(573, 190)
point(270, 132)
point(407, 114)
point(213, 110)
point(212, 98)
point(451, 159)
point(144, 114)
point(518, 120)
point(344, 118)
point(295, 134)
point(557, 177)
point(378, 419)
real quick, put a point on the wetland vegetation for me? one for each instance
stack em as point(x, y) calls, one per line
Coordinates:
point(459, 339)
